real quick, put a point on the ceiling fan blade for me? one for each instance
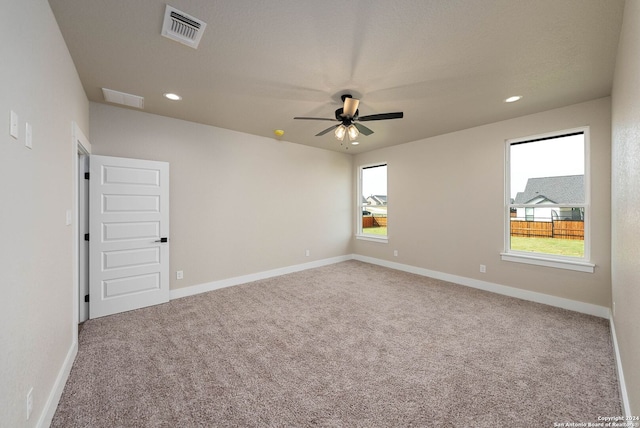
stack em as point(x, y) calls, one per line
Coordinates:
point(326, 130)
point(382, 116)
point(363, 129)
point(350, 106)
point(315, 118)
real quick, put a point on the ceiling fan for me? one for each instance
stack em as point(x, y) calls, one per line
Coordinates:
point(348, 118)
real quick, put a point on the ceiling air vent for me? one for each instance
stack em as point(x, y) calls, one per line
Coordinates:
point(182, 28)
point(123, 98)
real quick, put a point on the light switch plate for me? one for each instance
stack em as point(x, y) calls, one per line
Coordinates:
point(28, 136)
point(13, 127)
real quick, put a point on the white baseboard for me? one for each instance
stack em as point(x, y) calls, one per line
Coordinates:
point(215, 285)
point(58, 387)
point(585, 308)
point(623, 387)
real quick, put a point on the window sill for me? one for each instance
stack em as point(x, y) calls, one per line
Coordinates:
point(576, 265)
point(373, 238)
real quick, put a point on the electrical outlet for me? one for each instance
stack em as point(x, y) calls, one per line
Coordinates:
point(179, 274)
point(307, 253)
point(483, 269)
point(395, 253)
point(29, 403)
point(613, 309)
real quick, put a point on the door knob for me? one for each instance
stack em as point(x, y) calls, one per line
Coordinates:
point(162, 240)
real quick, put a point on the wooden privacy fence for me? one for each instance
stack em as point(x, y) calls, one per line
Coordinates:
point(372, 221)
point(562, 229)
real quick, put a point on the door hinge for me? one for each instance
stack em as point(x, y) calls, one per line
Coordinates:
point(86, 175)
point(86, 298)
point(86, 236)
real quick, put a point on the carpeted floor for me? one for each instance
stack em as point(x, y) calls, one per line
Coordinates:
point(346, 345)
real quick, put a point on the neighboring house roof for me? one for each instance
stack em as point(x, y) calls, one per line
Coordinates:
point(567, 189)
point(378, 199)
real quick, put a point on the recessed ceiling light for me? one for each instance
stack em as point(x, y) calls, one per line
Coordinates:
point(354, 143)
point(172, 97)
point(513, 99)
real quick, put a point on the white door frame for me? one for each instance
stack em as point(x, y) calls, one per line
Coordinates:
point(83, 228)
point(80, 146)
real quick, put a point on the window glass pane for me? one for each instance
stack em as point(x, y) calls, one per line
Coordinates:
point(552, 157)
point(374, 200)
point(544, 176)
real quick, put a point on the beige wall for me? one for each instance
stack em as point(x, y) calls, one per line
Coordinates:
point(40, 83)
point(446, 198)
point(625, 187)
point(240, 204)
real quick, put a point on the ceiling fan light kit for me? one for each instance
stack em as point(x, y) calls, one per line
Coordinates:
point(353, 132)
point(349, 117)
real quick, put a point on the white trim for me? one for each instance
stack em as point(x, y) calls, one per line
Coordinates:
point(626, 408)
point(532, 296)
point(359, 196)
point(79, 145)
point(58, 387)
point(577, 265)
point(216, 285)
point(373, 238)
point(562, 263)
point(587, 193)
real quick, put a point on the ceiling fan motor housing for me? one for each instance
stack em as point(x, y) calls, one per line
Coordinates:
point(341, 117)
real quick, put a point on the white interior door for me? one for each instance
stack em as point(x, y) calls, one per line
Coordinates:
point(129, 230)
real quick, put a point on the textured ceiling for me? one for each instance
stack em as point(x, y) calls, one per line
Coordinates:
point(447, 64)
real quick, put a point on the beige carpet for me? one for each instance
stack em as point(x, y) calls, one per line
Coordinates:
point(346, 345)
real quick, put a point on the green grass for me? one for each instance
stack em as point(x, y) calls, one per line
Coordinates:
point(556, 246)
point(375, 231)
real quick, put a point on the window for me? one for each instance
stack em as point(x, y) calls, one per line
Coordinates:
point(547, 200)
point(372, 202)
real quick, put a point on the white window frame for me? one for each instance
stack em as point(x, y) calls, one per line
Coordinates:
point(359, 234)
point(581, 264)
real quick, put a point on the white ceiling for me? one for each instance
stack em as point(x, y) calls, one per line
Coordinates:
point(447, 64)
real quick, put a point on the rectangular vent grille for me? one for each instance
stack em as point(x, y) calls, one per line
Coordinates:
point(123, 98)
point(182, 28)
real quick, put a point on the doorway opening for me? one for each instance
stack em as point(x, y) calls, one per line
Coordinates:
point(81, 150)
